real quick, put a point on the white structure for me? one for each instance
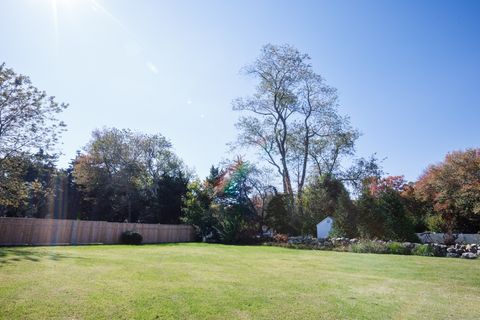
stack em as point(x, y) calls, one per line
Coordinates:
point(324, 227)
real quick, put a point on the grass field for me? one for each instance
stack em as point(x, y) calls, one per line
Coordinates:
point(200, 281)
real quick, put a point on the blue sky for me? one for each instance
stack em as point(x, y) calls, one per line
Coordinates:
point(407, 71)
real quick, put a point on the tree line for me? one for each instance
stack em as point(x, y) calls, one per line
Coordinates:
point(306, 168)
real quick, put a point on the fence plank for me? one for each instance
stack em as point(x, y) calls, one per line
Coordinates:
point(31, 231)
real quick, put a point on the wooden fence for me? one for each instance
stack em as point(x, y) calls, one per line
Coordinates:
point(30, 231)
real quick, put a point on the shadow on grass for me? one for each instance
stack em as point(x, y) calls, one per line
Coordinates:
point(12, 254)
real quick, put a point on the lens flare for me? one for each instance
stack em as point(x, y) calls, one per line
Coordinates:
point(230, 179)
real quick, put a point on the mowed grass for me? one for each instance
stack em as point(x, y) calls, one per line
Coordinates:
point(202, 281)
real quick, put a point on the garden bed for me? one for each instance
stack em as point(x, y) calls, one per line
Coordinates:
point(467, 251)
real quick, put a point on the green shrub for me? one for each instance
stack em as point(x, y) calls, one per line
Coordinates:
point(423, 250)
point(397, 248)
point(131, 237)
point(277, 215)
point(368, 246)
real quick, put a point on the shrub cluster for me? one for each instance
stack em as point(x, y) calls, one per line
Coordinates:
point(131, 237)
point(423, 250)
point(369, 247)
point(378, 246)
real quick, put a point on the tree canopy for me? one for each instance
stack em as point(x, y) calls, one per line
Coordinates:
point(125, 175)
point(28, 117)
point(452, 190)
point(29, 131)
point(293, 121)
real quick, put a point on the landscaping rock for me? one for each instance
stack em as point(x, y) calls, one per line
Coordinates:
point(439, 250)
point(408, 245)
point(469, 251)
point(453, 255)
point(469, 255)
point(472, 248)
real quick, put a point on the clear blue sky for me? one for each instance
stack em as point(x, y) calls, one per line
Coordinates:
point(407, 71)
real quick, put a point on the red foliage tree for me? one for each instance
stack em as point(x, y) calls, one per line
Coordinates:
point(376, 186)
point(452, 190)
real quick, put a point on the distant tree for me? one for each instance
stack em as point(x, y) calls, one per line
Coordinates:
point(105, 174)
point(196, 209)
point(383, 212)
point(28, 127)
point(13, 190)
point(222, 207)
point(164, 204)
point(293, 121)
point(128, 175)
point(27, 185)
point(419, 209)
point(235, 210)
point(68, 198)
point(40, 176)
point(277, 216)
point(327, 196)
point(28, 117)
point(377, 186)
point(451, 189)
point(262, 193)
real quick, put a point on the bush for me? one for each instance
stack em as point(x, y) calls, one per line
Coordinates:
point(368, 246)
point(277, 215)
point(423, 250)
point(131, 237)
point(385, 215)
point(397, 248)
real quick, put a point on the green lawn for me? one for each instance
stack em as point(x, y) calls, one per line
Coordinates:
point(200, 281)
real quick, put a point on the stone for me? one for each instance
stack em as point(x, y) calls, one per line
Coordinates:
point(469, 255)
point(408, 245)
point(439, 250)
point(453, 255)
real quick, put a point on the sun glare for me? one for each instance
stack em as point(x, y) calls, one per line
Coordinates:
point(59, 7)
point(62, 8)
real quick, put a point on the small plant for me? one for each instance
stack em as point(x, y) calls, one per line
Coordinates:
point(131, 237)
point(397, 248)
point(368, 246)
point(423, 250)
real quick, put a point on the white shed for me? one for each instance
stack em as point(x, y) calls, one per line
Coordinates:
point(324, 227)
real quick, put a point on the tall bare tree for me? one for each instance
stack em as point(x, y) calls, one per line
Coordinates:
point(292, 119)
